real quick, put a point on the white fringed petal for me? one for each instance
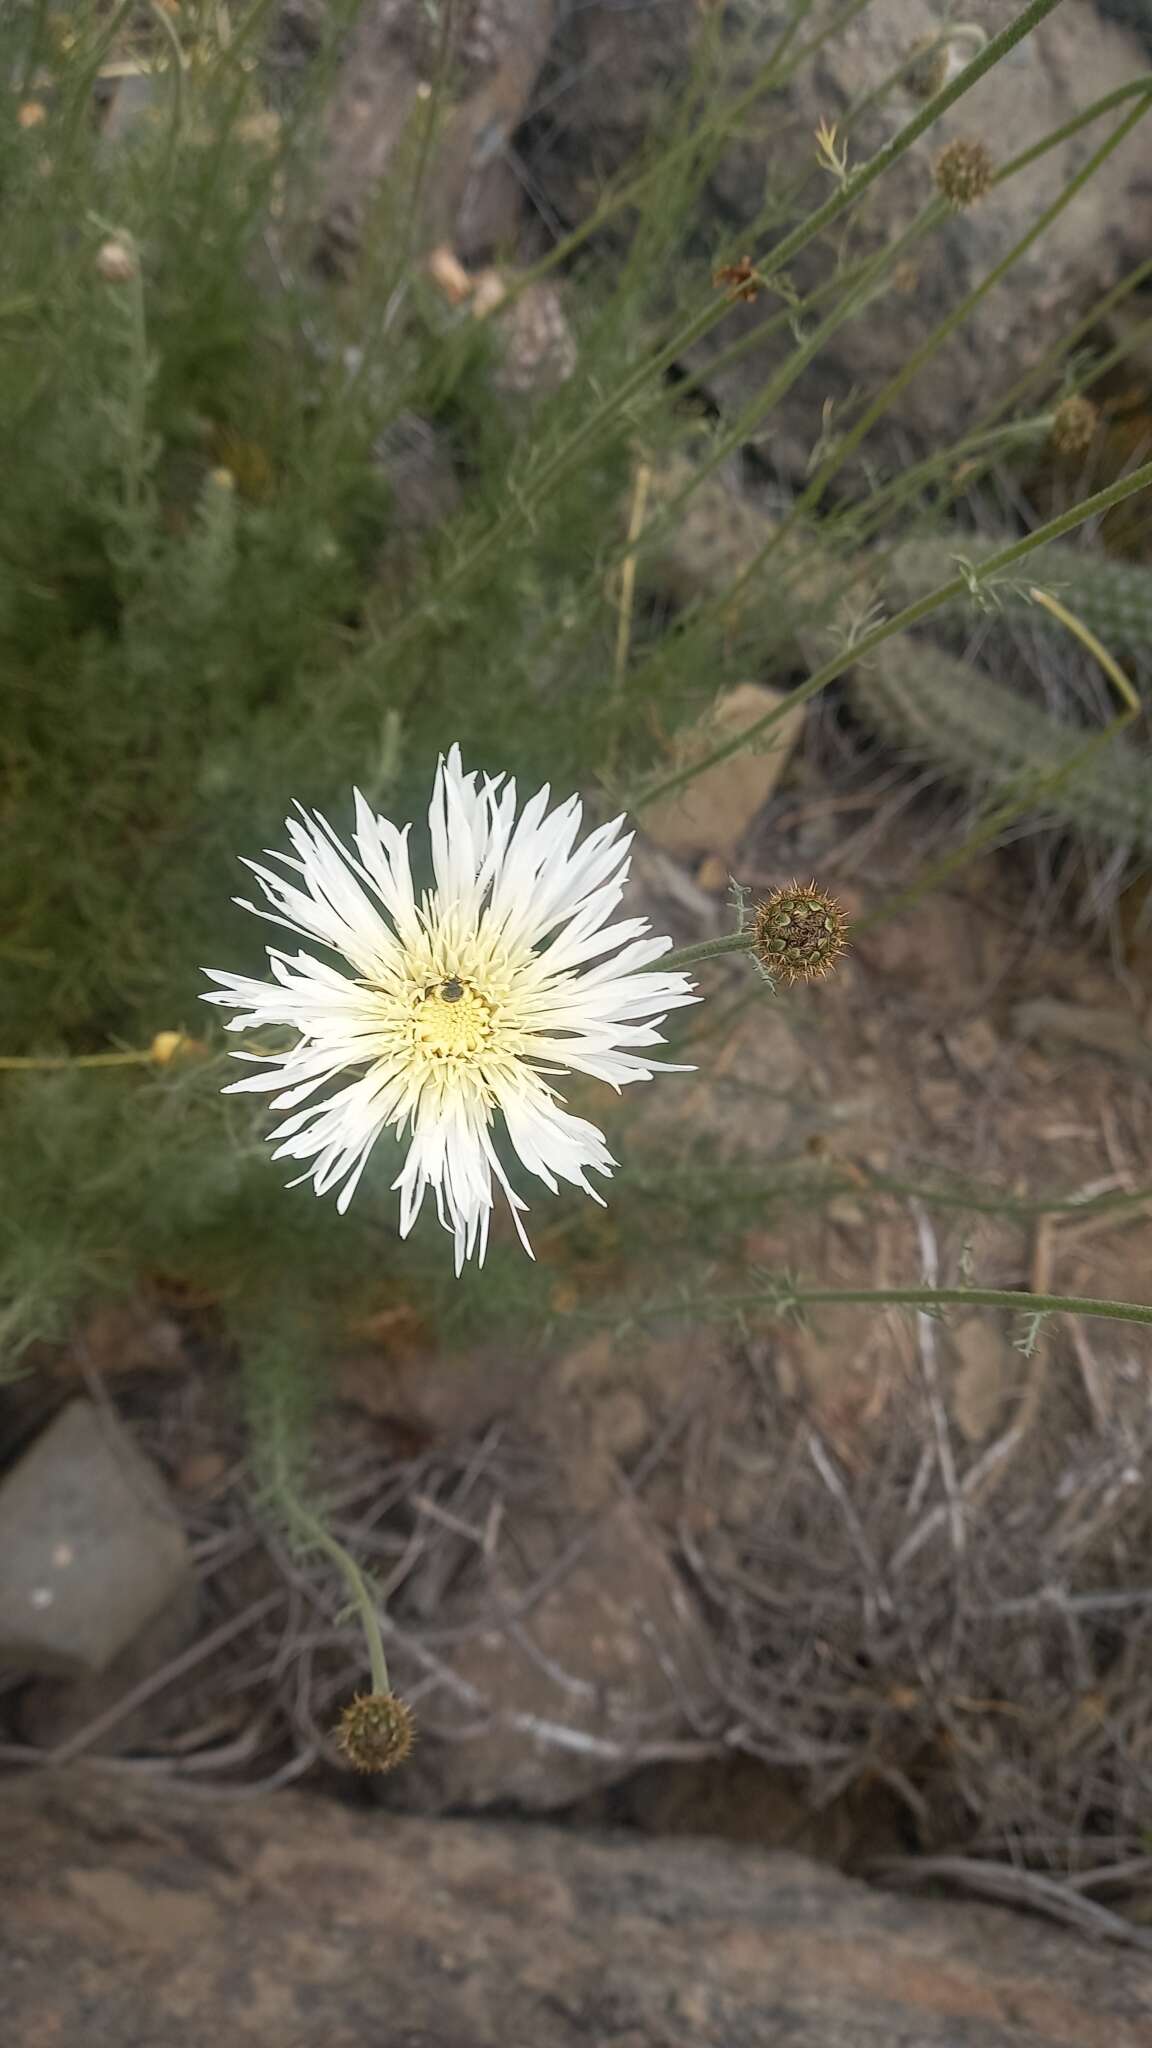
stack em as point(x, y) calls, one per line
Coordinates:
point(519, 920)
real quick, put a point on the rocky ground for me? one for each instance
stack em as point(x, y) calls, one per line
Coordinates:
point(869, 1589)
point(166, 1918)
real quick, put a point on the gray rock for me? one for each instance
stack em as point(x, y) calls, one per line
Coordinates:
point(89, 1547)
point(93, 1713)
point(136, 1914)
point(576, 1646)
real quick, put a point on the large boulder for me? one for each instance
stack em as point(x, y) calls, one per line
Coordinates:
point(137, 1913)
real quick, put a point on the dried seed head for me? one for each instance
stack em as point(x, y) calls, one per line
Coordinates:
point(930, 72)
point(1074, 425)
point(798, 933)
point(116, 262)
point(742, 279)
point(375, 1731)
point(964, 171)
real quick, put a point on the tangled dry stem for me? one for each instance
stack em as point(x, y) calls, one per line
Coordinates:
point(969, 1627)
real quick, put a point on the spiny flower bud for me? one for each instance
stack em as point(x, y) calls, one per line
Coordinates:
point(1074, 425)
point(376, 1731)
point(116, 262)
point(798, 933)
point(964, 171)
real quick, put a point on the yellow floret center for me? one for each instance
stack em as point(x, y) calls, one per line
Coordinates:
point(453, 1020)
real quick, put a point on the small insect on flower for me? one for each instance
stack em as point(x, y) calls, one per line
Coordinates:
point(450, 1010)
point(798, 933)
point(743, 279)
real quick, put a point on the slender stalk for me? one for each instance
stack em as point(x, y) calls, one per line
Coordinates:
point(167, 29)
point(860, 180)
point(36, 37)
point(54, 1063)
point(755, 1184)
point(312, 1530)
point(332, 444)
point(584, 437)
point(778, 386)
point(993, 565)
point(788, 1299)
point(1029, 788)
point(900, 486)
point(719, 128)
point(707, 949)
point(136, 461)
point(810, 498)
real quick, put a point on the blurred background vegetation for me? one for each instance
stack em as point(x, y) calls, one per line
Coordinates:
point(578, 383)
point(293, 499)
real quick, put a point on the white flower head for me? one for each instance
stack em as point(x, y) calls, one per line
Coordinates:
point(452, 1008)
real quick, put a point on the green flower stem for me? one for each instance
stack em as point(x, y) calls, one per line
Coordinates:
point(859, 181)
point(791, 311)
point(52, 1063)
point(309, 1527)
point(853, 526)
point(1126, 347)
point(1049, 363)
point(1130, 89)
point(803, 355)
point(864, 279)
point(928, 1298)
point(78, 104)
point(1005, 558)
point(939, 871)
point(331, 450)
point(33, 47)
point(581, 441)
point(845, 446)
point(837, 203)
point(720, 127)
point(708, 949)
point(810, 498)
point(167, 30)
point(137, 454)
point(829, 1178)
point(1029, 786)
point(749, 343)
point(243, 30)
point(989, 442)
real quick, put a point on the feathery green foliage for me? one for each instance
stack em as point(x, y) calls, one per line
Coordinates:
point(218, 595)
